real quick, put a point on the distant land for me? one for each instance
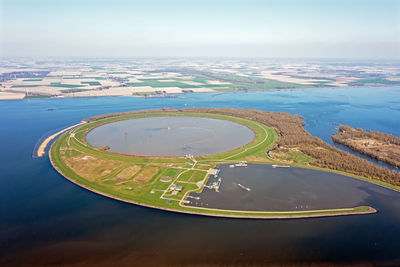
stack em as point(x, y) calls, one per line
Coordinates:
point(55, 78)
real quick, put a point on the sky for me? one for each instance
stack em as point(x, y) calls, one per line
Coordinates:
point(354, 29)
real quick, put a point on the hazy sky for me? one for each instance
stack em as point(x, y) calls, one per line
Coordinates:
point(247, 28)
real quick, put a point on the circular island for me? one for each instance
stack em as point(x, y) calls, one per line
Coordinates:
point(167, 159)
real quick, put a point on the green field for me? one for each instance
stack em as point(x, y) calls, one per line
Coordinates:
point(32, 80)
point(22, 86)
point(92, 83)
point(36, 96)
point(137, 179)
point(57, 84)
point(373, 81)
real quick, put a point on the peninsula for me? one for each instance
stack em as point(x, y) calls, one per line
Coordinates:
point(169, 183)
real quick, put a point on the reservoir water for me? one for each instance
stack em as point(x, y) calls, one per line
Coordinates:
point(170, 136)
point(262, 187)
point(45, 219)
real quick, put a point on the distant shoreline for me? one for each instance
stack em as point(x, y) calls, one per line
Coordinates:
point(182, 94)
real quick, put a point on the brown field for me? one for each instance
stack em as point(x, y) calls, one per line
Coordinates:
point(129, 172)
point(256, 159)
point(90, 168)
point(146, 174)
point(281, 156)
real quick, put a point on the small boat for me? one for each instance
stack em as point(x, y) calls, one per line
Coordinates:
point(244, 187)
point(51, 109)
point(241, 164)
point(280, 166)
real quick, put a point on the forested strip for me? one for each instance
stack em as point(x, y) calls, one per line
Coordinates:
point(381, 146)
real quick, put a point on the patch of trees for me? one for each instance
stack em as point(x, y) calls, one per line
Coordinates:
point(381, 146)
point(342, 161)
point(347, 132)
point(23, 74)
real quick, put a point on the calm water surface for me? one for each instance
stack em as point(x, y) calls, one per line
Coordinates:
point(44, 219)
point(170, 136)
point(282, 189)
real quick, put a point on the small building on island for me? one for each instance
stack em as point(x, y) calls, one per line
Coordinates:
point(176, 188)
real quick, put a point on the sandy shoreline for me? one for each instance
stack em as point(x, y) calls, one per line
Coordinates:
point(42, 148)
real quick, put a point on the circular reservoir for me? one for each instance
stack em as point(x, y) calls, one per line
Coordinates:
point(170, 136)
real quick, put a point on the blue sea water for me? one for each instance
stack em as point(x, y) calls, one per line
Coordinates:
point(44, 219)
